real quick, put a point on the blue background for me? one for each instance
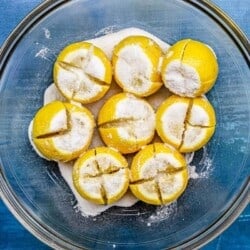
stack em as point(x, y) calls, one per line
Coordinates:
point(14, 236)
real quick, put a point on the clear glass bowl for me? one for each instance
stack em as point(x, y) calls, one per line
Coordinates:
point(33, 189)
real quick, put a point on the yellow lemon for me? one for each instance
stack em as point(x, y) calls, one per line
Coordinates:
point(101, 175)
point(185, 123)
point(82, 72)
point(62, 131)
point(50, 120)
point(126, 122)
point(159, 174)
point(189, 68)
point(135, 61)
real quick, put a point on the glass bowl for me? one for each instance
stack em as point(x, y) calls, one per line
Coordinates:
point(33, 188)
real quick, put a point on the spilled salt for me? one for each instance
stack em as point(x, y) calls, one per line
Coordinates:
point(107, 30)
point(162, 213)
point(46, 33)
point(42, 53)
point(206, 163)
point(192, 172)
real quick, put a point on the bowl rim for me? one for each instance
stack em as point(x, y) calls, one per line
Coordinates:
point(46, 234)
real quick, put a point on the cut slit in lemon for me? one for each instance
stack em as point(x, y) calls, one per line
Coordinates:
point(185, 123)
point(101, 175)
point(126, 122)
point(189, 68)
point(82, 72)
point(159, 174)
point(62, 131)
point(135, 61)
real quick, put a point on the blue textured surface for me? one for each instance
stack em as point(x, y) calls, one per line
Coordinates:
point(14, 236)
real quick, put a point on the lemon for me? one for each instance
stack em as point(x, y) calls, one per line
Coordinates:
point(135, 61)
point(159, 174)
point(185, 123)
point(189, 68)
point(62, 131)
point(82, 72)
point(126, 122)
point(101, 175)
point(49, 120)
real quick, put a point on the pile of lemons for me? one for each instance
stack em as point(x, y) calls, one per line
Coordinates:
point(185, 121)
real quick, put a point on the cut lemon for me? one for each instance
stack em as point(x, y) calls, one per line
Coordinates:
point(126, 123)
point(101, 175)
point(185, 123)
point(62, 131)
point(189, 68)
point(82, 72)
point(135, 61)
point(159, 174)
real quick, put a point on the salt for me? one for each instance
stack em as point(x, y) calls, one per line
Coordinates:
point(133, 68)
point(181, 78)
point(143, 120)
point(162, 213)
point(46, 33)
point(42, 53)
